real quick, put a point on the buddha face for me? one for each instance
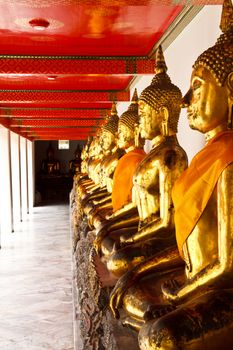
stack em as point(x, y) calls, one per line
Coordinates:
point(108, 140)
point(206, 101)
point(149, 121)
point(125, 136)
point(92, 149)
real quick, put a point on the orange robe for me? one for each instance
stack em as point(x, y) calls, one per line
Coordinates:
point(123, 178)
point(193, 189)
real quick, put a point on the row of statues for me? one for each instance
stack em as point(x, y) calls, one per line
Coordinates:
point(51, 166)
point(163, 229)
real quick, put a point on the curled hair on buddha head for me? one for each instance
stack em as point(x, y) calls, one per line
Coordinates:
point(111, 124)
point(130, 117)
point(162, 93)
point(218, 59)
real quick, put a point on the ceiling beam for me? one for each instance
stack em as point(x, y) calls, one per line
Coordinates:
point(38, 123)
point(54, 137)
point(44, 113)
point(41, 98)
point(53, 65)
point(51, 130)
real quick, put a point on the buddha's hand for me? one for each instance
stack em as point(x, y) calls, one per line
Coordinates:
point(97, 245)
point(125, 241)
point(170, 290)
point(98, 241)
point(157, 311)
point(118, 292)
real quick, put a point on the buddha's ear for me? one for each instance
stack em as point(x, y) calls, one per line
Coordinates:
point(230, 101)
point(165, 115)
point(230, 84)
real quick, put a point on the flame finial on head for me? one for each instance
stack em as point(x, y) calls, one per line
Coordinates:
point(134, 98)
point(114, 110)
point(130, 117)
point(111, 124)
point(161, 66)
point(227, 16)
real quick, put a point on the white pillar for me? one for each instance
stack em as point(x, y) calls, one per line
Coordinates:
point(5, 196)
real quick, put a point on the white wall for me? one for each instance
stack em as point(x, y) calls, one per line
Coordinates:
point(200, 34)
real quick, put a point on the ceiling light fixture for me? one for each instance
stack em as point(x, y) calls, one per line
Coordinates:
point(39, 23)
point(52, 77)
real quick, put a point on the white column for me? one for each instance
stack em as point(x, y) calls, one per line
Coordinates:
point(23, 176)
point(15, 177)
point(30, 150)
point(5, 192)
point(10, 180)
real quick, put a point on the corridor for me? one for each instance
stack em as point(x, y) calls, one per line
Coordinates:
point(36, 283)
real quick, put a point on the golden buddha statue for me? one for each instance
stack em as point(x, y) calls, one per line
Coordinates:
point(75, 164)
point(103, 171)
point(201, 297)
point(85, 155)
point(89, 158)
point(96, 154)
point(50, 165)
point(82, 177)
point(109, 146)
point(121, 185)
point(159, 107)
point(91, 185)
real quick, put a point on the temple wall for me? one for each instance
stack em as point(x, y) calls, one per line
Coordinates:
point(200, 34)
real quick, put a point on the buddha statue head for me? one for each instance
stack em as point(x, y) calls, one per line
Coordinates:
point(210, 97)
point(50, 152)
point(109, 130)
point(93, 147)
point(159, 103)
point(77, 152)
point(85, 149)
point(127, 124)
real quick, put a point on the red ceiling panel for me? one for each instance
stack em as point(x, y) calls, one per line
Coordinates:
point(81, 29)
point(63, 62)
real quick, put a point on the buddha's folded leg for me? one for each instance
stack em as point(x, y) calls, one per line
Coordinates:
point(205, 323)
point(114, 237)
point(144, 300)
point(130, 256)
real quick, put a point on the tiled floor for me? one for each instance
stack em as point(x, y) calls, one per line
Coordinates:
point(35, 283)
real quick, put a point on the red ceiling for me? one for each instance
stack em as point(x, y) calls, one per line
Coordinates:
point(59, 82)
point(84, 28)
